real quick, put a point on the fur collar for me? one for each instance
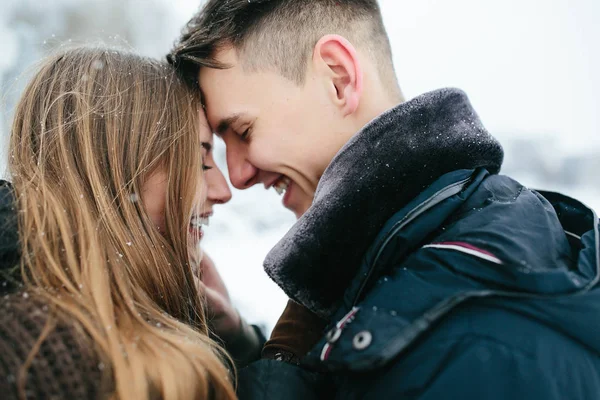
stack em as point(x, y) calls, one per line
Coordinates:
point(384, 166)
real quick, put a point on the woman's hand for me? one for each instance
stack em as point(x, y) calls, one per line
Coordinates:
point(224, 319)
point(242, 341)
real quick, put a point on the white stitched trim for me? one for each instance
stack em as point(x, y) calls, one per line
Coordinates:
point(573, 235)
point(466, 250)
point(339, 326)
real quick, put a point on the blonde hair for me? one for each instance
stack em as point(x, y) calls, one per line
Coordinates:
point(90, 128)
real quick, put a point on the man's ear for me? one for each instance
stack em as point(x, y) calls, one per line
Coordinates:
point(338, 59)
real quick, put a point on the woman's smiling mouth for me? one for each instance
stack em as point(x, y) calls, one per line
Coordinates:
point(196, 224)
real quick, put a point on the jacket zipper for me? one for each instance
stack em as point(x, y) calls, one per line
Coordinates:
point(432, 201)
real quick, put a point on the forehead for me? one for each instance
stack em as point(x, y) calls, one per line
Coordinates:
point(237, 91)
point(218, 83)
point(204, 130)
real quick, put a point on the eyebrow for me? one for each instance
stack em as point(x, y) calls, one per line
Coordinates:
point(226, 123)
point(206, 146)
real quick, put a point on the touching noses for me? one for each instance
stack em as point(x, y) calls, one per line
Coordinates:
point(241, 172)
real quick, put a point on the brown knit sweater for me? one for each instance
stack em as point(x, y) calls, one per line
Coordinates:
point(63, 368)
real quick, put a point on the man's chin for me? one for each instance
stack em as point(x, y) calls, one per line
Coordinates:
point(296, 201)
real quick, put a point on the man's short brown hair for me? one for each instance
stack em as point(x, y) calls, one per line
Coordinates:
point(281, 34)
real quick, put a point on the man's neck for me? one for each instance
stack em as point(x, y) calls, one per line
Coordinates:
point(371, 108)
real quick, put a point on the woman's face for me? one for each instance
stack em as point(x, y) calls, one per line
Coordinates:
point(212, 189)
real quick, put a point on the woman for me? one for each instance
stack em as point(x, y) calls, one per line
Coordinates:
point(103, 294)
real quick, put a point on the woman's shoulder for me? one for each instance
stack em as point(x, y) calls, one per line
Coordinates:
point(62, 366)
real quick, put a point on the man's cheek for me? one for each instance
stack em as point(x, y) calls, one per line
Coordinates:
point(266, 153)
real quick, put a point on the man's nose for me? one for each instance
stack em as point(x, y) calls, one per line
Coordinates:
point(242, 173)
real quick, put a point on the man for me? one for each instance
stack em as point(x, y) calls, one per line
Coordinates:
point(437, 277)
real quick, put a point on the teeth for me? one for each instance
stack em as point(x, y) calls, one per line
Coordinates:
point(281, 185)
point(198, 222)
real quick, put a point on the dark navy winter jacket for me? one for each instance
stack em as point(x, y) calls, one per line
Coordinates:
point(472, 287)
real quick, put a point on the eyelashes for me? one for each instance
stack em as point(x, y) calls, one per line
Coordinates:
point(245, 134)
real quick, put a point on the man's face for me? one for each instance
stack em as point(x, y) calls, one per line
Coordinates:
point(277, 133)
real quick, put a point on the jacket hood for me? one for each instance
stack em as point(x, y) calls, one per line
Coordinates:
point(548, 245)
point(389, 162)
point(565, 291)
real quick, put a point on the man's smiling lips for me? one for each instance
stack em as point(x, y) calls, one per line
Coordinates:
point(280, 184)
point(283, 186)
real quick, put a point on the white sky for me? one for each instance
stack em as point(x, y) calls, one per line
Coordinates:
point(529, 66)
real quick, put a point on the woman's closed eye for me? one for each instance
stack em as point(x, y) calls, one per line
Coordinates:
point(205, 166)
point(244, 135)
point(207, 147)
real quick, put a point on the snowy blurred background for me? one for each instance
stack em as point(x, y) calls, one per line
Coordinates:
point(530, 68)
